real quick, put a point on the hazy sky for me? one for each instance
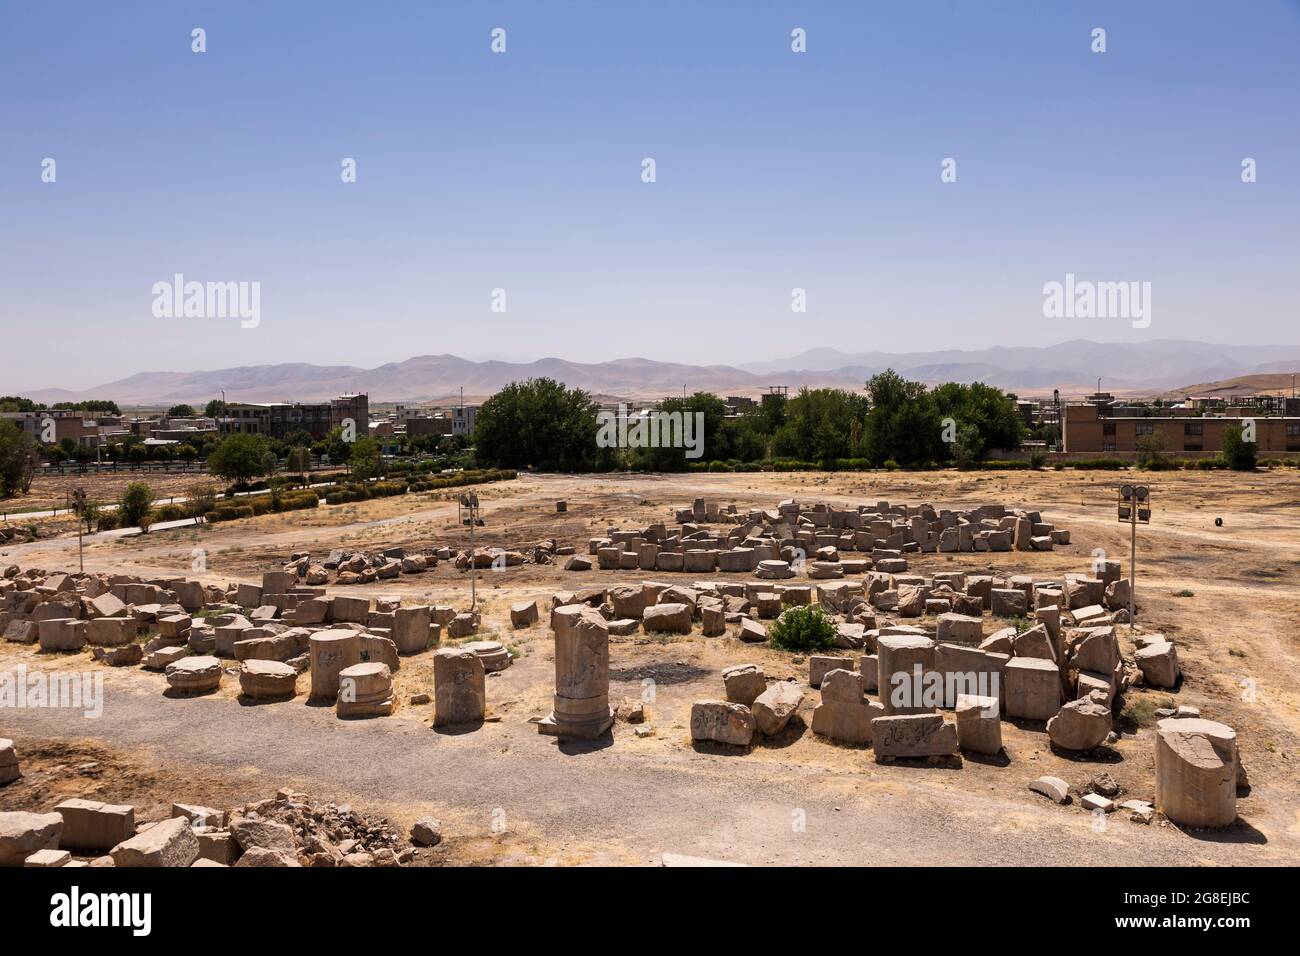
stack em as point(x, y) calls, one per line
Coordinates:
point(523, 171)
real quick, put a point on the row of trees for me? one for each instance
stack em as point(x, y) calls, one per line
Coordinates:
point(544, 424)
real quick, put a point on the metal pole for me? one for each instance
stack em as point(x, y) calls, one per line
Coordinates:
point(1132, 565)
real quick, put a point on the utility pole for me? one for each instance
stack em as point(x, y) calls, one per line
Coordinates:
point(79, 507)
point(1134, 507)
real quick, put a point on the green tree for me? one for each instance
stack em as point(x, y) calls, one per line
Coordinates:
point(1151, 449)
point(134, 507)
point(540, 423)
point(903, 424)
point(991, 412)
point(1237, 452)
point(969, 446)
point(214, 409)
point(703, 413)
point(366, 460)
point(181, 411)
point(336, 449)
point(200, 498)
point(16, 403)
point(821, 425)
point(17, 459)
point(239, 457)
point(299, 460)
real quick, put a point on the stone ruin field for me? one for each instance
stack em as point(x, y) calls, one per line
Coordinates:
point(223, 650)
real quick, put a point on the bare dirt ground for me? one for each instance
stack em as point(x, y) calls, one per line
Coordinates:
point(1229, 596)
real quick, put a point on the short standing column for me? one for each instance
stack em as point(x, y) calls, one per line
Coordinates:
point(331, 651)
point(581, 702)
point(1196, 772)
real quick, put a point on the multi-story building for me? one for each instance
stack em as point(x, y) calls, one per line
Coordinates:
point(281, 419)
point(1096, 427)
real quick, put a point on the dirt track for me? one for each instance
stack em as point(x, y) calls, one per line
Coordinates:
point(633, 798)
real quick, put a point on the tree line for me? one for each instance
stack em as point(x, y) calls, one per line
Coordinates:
point(544, 424)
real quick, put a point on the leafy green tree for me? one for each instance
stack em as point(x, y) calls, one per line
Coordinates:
point(17, 459)
point(239, 457)
point(181, 411)
point(540, 423)
point(903, 425)
point(134, 507)
point(366, 460)
point(1237, 452)
point(991, 412)
point(214, 409)
point(1151, 449)
point(16, 403)
point(299, 460)
point(969, 446)
point(336, 449)
point(823, 424)
point(708, 436)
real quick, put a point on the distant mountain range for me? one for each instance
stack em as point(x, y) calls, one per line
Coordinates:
point(1148, 368)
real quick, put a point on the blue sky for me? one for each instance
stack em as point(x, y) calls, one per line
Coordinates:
point(522, 171)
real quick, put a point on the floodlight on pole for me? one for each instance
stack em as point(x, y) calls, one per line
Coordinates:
point(467, 510)
point(1134, 507)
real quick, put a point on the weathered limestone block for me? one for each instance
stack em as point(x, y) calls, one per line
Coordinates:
point(194, 675)
point(1159, 664)
point(354, 610)
point(9, 771)
point(411, 626)
point(62, 634)
point(899, 655)
point(331, 652)
point(22, 834)
point(128, 655)
point(91, 825)
point(819, 665)
point(1033, 688)
point(744, 683)
point(669, 618)
point(844, 714)
point(1196, 772)
point(169, 843)
point(628, 601)
point(267, 680)
point(979, 724)
point(959, 629)
point(365, 690)
point(459, 689)
point(913, 735)
point(1054, 788)
point(1080, 725)
point(1035, 642)
point(1008, 602)
point(774, 707)
point(492, 654)
point(110, 631)
point(722, 722)
point(523, 614)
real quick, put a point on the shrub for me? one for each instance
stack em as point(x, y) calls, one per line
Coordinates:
point(230, 512)
point(804, 628)
point(135, 504)
point(107, 521)
point(170, 513)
